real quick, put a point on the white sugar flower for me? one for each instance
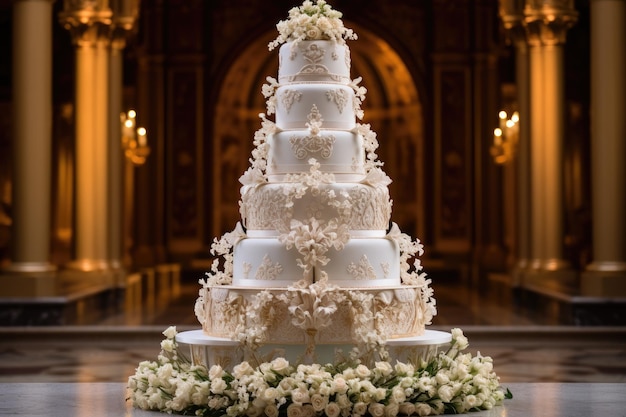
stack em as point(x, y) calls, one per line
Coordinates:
point(312, 21)
point(170, 332)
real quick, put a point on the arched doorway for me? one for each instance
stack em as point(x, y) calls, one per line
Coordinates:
point(392, 108)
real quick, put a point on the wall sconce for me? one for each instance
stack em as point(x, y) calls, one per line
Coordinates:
point(134, 139)
point(505, 138)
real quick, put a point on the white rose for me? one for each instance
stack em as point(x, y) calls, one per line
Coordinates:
point(407, 409)
point(362, 371)
point(308, 411)
point(271, 410)
point(392, 410)
point(397, 394)
point(442, 377)
point(216, 371)
point(404, 368)
point(332, 410)
point(167, 345)
point(242, 369)
point(300, 396)
point(319, 402)
point(470, 401)
point(360, 408)
point(422, 409)
point(376, 410)
point(280, 364)
point(339, 384)
point(313, 32)
point(270, 394)
point(295, 410)
point(446, 393)
point(218, 386)
point(170, 332)
point(384, 368)
point(343, 401)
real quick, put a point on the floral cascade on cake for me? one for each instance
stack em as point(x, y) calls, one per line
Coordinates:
point(316, 274)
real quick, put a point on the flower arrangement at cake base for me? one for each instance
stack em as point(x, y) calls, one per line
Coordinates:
point(451, 382)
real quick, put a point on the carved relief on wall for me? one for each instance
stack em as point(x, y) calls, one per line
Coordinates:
point(183, 156)
point(454, 182)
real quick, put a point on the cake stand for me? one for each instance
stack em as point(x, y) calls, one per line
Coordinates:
point(209, 350)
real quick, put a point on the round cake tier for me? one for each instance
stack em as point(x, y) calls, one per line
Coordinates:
point(208, 350)
point(339, 315)
point(272, 207)
point(338, 152)
point(314, 61)
point(334, 102)
point(364, 262)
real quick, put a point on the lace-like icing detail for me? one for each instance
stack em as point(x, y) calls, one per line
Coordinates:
point(385, 267)
point(288, 97)
point(371, 208)
point(267, 270)
point(339, 97)
point(246, 270)
point(266, 209)
point(315, 143)
point(313, 55)
point(303, 145)
point(223, 313)
point(363, 270)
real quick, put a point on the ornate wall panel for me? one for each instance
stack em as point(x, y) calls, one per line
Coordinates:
point(185, 185)
point(453, 155)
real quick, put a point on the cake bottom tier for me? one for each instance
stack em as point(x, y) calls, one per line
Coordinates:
point(209, 350)
point(318, 313)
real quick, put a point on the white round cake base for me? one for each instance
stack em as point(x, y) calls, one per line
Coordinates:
point(208, 350)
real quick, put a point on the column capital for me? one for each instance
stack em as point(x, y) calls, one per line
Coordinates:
point(512, 16)
point(88, 21)
point(91, 21)
point(547, 21)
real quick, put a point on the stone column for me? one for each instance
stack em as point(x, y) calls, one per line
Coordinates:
point(89, 27)
point(116, 155)
point(606, 275)
point(547, 22)
point(512, 16)
point(32, 141)
point(536, 155)
point(125, 13)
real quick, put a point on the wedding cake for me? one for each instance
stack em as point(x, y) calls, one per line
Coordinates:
point(317, 305)
point(315, 266)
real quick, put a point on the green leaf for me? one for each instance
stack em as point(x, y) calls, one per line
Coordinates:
point(508, 395)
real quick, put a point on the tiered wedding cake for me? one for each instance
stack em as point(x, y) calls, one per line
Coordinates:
point(312, 308)
point(316, 264)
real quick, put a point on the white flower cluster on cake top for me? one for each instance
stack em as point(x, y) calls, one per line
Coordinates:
point(312, 21)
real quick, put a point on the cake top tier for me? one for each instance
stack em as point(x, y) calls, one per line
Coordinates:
point(312, 21)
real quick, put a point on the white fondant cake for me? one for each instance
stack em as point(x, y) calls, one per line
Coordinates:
point(316, 261)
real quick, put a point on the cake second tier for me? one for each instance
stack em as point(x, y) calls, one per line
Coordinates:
point(269, 209)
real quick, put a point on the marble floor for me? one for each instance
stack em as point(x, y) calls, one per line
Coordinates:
point(526, 346)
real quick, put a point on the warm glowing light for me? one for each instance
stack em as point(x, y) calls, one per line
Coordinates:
point(134, 141)
point(505, 138)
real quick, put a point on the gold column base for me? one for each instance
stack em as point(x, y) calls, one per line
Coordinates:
point(28, 279)
point(89, 265)
point(563, 281)
point(604, 279)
